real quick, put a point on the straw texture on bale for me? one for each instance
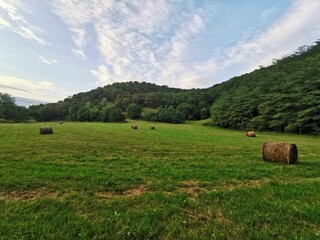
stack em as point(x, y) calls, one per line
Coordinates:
point(152, 127)
point(251, 134)
point(134, 126)
point(280, 152)
point(61, 122)
point(46, 130)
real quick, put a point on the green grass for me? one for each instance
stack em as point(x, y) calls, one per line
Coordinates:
point(107, 181)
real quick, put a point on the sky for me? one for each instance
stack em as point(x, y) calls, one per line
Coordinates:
point(52, 49)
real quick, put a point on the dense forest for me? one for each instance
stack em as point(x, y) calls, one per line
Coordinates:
point(109, 103)
point(284, 97)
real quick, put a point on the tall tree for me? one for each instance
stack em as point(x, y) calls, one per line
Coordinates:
point(8, 108)
point(10, 111)
point(134, 111)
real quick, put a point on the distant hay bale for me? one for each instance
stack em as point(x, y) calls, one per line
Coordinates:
point(134, 126)
point(251, 134)
point(152, 127)
point(280, 152)
point(46, 130)
point(61, 122)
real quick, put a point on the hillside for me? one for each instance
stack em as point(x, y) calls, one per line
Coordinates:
point(284, 97)
point(172, 104)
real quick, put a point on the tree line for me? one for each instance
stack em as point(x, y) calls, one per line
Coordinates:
point(284, 97)
point(114, 103)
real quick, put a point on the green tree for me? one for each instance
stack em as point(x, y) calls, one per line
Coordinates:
point(73, 111)
point(83, 113)
point(204, 113)
point(104, 102)
point(134, 111)
point(8, 108)
point(189, 111)
point(170, 115)
point(48, 112)
point(105, 114)
point(10, 111)
point(112, 114)
point(116, 115)
point(22, 114)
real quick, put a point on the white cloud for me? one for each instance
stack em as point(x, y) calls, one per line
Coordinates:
point(47, 61)
point(20, 87)
point(268, 13)
point(103, 74)
point(13, 12)
point(29, 32)
point(79, 53)
point(156, 41)
point(193, 82)
point(137, 40)
point(10, 6)
point(180, 42)
point(280, 39)
point(4, 23)
point(79, 37)
point(77, 14)
point(285, 36)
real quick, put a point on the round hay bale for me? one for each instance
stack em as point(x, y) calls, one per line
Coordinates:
point(46, 130)
point(251, 134)
point(152, 127)
point(61, 122)
point(280, 152)
point(134, 126)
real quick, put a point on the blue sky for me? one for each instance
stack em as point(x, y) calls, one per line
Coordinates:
point(53, 49)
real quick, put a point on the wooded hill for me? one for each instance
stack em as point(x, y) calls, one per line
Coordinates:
point(284, 97)
point(134, 99)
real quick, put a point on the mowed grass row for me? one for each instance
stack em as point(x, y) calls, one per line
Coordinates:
point(108, 181)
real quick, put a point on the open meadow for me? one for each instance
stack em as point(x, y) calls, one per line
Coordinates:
point(187, 181)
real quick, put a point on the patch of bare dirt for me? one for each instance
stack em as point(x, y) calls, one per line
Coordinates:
point(234, 185)
point(132, 192)
point(28, 195)
point(191, 187)
point(219, 217)
point(257, 183)
point(135, 191)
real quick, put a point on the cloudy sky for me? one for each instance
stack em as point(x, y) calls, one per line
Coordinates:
point(51, 49)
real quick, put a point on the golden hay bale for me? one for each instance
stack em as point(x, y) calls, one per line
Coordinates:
point(152, 127)
point(46, 130)
point(134, 126)
point(251, 134)
point(280, 152)
point(61, 122)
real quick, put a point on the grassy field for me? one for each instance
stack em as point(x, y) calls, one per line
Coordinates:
point(107, 181)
